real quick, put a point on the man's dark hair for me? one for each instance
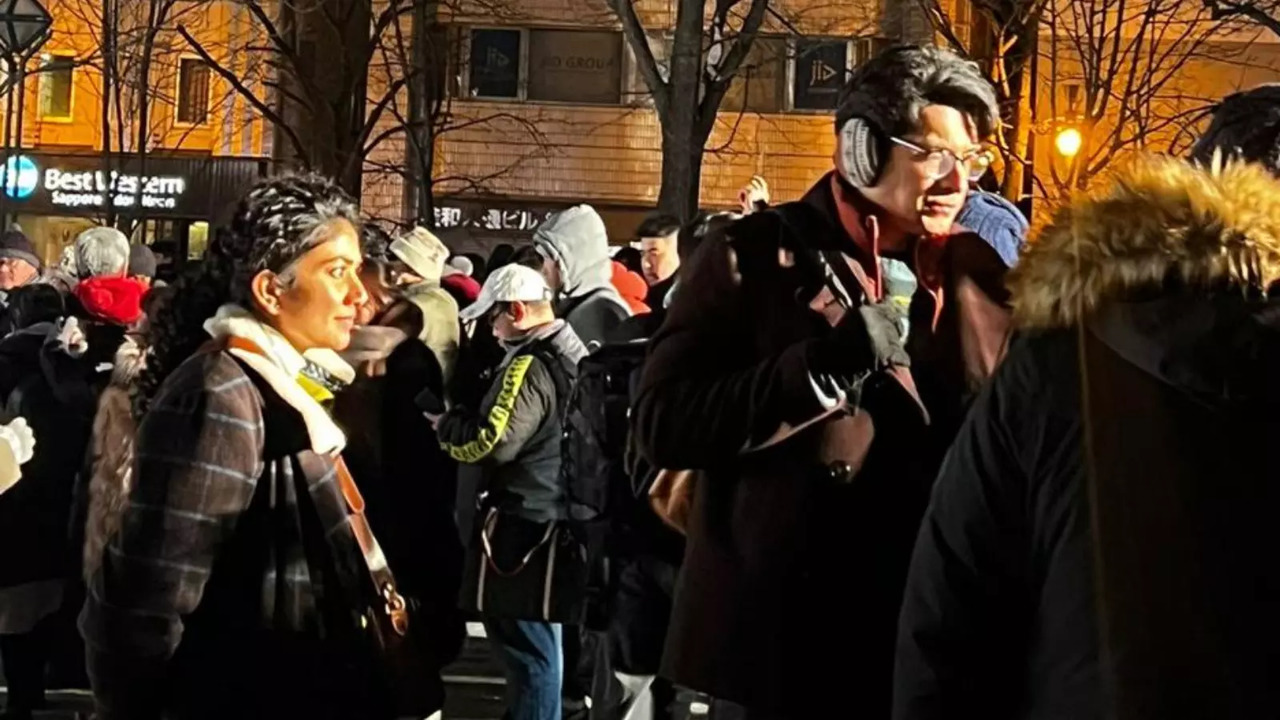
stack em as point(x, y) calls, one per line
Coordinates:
point(528, 256)
point(1245, 125)
point(658, 225)
point(630, 259)
point(894, 86)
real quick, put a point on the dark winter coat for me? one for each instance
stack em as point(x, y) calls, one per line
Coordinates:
point(778, 538)
point(231, 586)
point(1145, 378)
point(408, 486)
point(56, 391)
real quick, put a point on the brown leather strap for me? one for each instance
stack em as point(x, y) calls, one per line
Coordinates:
point(394, 604)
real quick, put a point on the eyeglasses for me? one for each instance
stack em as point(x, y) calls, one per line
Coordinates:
point(496, 312)
point(942, 162)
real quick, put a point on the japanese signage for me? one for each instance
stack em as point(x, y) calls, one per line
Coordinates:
point(575, 66)
point(165, 186)
point(478, 217)
point(820, 73)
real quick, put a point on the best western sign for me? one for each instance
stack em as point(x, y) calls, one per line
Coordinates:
point(76, 189)
point(163, 186)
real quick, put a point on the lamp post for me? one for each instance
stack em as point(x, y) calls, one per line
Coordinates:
point(25, 26)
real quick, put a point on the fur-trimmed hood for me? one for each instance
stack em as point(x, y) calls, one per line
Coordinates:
point(1169, 267)
point(1160, 219)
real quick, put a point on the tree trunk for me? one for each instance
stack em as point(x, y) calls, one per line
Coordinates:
point(109, 32)
point(1019, 135)
point(422, 89)
point(683, 137)
point(681, 171)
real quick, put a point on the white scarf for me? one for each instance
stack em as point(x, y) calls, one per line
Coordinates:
point(280, 366)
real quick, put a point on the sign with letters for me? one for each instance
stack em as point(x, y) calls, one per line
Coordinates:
point(575, 66)
point(820, 74)
point(161, 187)
point(480, 217)
point(495, 63)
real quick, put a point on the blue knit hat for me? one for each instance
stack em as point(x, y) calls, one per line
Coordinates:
point(997, 221)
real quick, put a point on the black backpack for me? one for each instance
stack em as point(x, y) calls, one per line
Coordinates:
point(596, 432)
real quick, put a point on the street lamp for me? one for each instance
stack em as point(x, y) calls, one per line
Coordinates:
point(1068, 142)
point(24, 28)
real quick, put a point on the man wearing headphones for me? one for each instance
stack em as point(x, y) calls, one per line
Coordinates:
point(812, 371)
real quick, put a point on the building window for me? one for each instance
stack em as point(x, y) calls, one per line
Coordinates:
point(757, 87)
point(495, 64)
point(56, 84)
point(819, 73)
point(193, 91)
point(575, 66)
point(1071, 94)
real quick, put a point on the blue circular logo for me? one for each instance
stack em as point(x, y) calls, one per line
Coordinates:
point(20, 177)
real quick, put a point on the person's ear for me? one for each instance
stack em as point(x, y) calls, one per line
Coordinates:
point(518, 311)
point(266, 289)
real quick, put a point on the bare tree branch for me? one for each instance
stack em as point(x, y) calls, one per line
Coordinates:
point(638, 39)
point(719, 79)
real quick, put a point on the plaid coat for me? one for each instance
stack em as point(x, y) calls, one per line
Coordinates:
point(227, 591)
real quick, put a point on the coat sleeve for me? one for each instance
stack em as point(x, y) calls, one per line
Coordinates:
point(965, 604)
point(440, 330)
point(699, 404)
point(515, 408)
point(199, 455)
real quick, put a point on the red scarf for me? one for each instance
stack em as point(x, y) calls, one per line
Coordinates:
point(114, 299)
point(859, 220)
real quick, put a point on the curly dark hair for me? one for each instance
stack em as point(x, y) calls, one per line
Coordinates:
point(375, 242)
point(274, 224)
point(894, 86)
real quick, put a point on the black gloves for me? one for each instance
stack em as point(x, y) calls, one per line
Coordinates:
point(868, 338)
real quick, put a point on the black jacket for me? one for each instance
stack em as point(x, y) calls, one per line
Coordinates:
point(408, 485)
point(515, 431)
point(1127, 437)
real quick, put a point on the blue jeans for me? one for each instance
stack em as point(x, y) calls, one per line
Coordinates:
point(534, 664)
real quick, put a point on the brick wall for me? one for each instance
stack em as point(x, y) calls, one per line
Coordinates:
point(574, 153)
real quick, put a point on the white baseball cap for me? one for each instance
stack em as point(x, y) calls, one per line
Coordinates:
point(508, 284)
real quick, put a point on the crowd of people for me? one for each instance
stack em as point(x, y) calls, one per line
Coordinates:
point(866, 454)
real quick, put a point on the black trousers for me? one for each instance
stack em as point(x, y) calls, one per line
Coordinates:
point(25, 657)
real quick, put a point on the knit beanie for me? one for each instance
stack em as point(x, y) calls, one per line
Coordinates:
point(15, 245)
point(142, 262)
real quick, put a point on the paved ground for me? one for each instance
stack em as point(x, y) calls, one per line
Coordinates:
point(474, 690)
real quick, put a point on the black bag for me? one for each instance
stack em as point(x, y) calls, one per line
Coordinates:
point(521, 569)
point(597, 432)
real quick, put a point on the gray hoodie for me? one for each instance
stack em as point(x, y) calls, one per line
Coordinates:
point(575, 239)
